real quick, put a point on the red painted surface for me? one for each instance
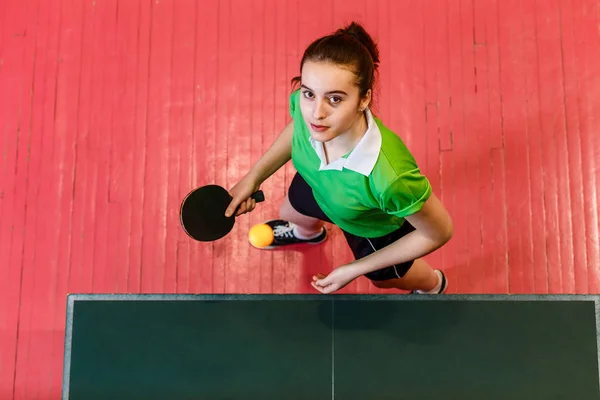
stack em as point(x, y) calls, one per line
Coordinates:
point(110, 111)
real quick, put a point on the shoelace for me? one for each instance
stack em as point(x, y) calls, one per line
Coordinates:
point(284, 231)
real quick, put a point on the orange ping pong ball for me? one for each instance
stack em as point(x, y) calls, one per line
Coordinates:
point(261, 235)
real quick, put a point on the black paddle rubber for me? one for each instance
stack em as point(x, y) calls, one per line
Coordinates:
point(203, 212)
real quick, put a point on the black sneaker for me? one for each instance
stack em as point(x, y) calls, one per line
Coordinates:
point(442, 288)
point(283, 233)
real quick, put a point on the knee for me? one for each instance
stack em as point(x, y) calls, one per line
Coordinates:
point(380, 284)
point(286, 209)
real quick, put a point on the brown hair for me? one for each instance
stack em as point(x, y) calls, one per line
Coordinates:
point(351, 47)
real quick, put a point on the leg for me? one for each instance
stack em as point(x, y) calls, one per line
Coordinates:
point(301, 218)
point(419, 277)
point(414, 275)
point(306, 226)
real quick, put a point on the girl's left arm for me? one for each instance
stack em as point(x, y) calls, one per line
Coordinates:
point(433, 229)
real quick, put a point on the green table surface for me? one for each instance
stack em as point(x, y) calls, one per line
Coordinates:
point(331, 347)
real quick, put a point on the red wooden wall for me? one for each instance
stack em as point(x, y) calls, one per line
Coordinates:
point(110, 111)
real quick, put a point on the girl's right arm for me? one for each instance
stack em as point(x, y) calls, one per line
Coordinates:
point(274, 158)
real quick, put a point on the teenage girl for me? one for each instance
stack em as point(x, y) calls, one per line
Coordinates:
point(352, 171)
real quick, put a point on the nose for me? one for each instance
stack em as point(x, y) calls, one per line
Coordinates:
point(319, 111)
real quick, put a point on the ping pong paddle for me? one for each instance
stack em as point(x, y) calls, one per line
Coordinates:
point(202, 212)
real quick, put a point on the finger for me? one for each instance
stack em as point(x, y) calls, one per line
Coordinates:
point(317, 287)
point(325, 290)
point(324, 282)
point(241, 210)
point(318, 276)
point(233, 205)
point(329, 289)
point(251, 205)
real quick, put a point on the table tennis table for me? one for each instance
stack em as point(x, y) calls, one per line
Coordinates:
point(271, 346)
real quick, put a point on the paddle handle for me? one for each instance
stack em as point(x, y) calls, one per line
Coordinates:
point(258, 196)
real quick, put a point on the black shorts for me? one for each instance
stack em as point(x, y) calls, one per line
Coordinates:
point(302, 199)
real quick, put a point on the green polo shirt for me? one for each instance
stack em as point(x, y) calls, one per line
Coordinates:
point(370, 190)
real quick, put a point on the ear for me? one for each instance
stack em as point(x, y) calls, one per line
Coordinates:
point(365, 101)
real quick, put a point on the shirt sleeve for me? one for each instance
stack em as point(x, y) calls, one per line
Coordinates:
point(294, 102)
point(406, 194)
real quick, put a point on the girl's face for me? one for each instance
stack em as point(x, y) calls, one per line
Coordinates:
point(330, 100)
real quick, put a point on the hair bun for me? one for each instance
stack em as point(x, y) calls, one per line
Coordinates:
point(353, 29)
point(357, 31)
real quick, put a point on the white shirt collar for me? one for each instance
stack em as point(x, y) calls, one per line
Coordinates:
point(362, 158)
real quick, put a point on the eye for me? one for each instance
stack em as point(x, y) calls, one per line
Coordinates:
point(335, 99)
point(308, 94)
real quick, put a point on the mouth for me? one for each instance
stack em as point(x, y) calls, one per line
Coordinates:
point(319, 128)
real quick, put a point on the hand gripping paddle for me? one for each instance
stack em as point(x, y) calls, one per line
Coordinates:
point(202, 212)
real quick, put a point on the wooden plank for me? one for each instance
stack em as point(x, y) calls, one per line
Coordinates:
point(466, 147)
point(586, 18)
point(552, 120)
point(537, 159)
point(141, 48)
point(513, 81)
point(155, 184)
point(494, 241)
point(457, 127)
point(32, 376)
point(482, 147)
point(180, 142)
point(571, 88)
point(17, 66)
point(65, 125)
